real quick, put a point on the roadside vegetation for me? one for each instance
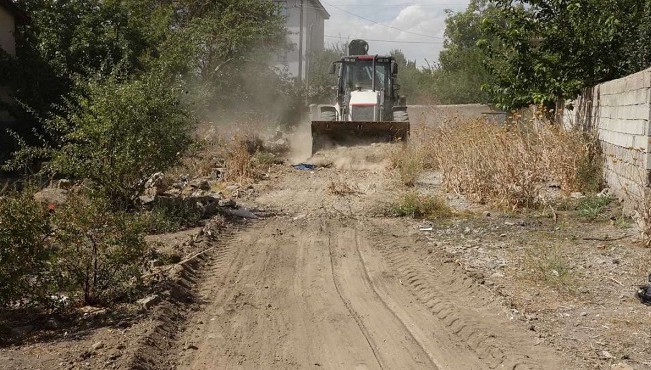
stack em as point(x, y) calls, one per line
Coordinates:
point(419, 206)
point(517, 53)
point(108, 94)
point(511, 166)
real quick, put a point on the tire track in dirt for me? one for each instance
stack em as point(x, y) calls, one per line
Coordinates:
point(445, 295)
point(153, 350)
point(338, 294)
point(393, 343)
point(349, 307)
point(384, 300)
point(277, 308)
point(334, 288)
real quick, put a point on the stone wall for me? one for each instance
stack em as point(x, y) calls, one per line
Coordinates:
point(433, 115)
point(620, 112)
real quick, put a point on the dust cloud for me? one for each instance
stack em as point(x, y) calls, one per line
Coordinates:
point(374, 157)
point(300, 143)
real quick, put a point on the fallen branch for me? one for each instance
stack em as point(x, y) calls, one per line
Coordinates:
point(616, 281)
point(168, 268)
point(607, 239)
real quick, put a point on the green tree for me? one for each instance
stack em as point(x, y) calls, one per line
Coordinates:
point(551, 49)
point(414, 83)
point(121, 133)
point(99, 253)
point(462, 71)
point(321, 84)
point(24, 252)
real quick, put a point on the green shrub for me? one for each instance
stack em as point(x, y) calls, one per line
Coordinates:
point(421, 206)
point(24, 252)
point(592, 207)
point(169, 216)
point(99, 253)
point(121, 133)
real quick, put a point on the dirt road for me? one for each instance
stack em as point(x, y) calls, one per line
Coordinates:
point(330, 283)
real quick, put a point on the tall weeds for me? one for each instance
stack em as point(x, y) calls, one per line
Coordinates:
point(509, 165)
point(236, 151)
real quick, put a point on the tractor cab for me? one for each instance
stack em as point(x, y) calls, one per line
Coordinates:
point(367, 107)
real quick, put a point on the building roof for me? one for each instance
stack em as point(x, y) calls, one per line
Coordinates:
point(12, 8)
point(317, 4)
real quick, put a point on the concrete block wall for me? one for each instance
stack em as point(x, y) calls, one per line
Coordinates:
point(620, 112)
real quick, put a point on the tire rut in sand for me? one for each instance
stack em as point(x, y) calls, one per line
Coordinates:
point(349, 307)
point(275, 306)
point(393, 344)
point(446, 294)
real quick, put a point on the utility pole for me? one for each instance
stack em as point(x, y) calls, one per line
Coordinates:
point(300, 45)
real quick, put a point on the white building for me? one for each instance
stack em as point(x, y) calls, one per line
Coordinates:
point(305, 23)
point(10, 16)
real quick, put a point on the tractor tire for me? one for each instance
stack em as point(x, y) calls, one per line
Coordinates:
point(400, 116)
point(328, 115)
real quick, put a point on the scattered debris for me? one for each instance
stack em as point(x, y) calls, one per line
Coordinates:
point(230, 203)
point(201, 184)
point(304, 167)
point(241, 212)
point(97, 346)
point(64, 184)
point(644, 293)
point(149, 302)
point(155, 185)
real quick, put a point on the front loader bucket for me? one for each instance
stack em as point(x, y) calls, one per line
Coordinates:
point(333, 133)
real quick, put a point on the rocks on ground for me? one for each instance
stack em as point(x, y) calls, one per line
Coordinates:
point(52, 196)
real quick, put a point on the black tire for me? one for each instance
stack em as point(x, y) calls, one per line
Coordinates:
point(328, 115)
point(400, 116)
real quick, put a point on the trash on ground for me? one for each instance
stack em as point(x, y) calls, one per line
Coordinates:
point(304, 167)
point(426, 229)
point(644, 293)
point(241, 212)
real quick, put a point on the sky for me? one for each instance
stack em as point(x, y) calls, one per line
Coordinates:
point(416, 27)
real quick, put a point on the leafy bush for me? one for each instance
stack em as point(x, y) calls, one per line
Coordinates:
point(24, 252)
point(171, 215)
point(99, 253)
point(593, 206)
point(421, 206)
point(122, 133)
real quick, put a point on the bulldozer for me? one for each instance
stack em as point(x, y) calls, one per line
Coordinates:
point(367, 108)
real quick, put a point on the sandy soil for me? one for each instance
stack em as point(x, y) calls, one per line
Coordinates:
point(330, 285)
point(331, 282)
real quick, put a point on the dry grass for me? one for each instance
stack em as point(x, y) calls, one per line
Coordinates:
point(341, 188)
point(548, 265)
point(642, 216)
point(509, 165)
point(411, 159)
point(419, 206)
point(238, 154)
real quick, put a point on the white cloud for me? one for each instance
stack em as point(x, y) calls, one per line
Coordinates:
point(412, 21)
